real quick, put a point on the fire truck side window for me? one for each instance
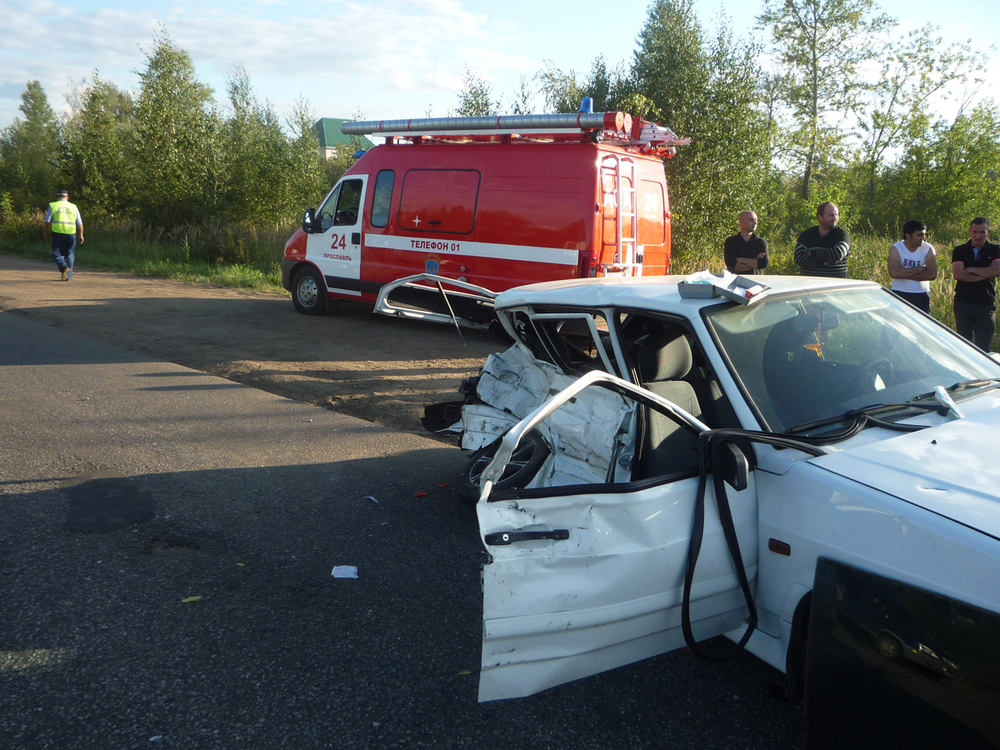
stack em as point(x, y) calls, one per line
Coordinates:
point(349, 204)
point(382, 198)
point(324, 217)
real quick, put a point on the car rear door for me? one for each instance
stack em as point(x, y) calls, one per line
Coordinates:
point(586, 577)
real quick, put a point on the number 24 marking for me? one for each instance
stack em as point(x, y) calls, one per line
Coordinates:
point(339, 241)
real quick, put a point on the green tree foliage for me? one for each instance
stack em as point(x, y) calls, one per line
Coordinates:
point(823, 45)
point(475, 98)
point(521, 101)
point(31, 152)
point(948, 176)
point(706, 90)
point(307, 178)
point(561, 91)
point(256, 156)
point(98, 168)
point(611, 91)
point(670, 66)
point(914, 70)
point(168, 159)
point(177, 148)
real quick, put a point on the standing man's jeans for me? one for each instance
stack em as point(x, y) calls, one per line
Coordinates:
point(920, 300)
point(975, 323)
point(63, 250)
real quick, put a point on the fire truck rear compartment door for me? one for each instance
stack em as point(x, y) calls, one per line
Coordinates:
point(439, 200)
point(435, 226)
point(651, 211)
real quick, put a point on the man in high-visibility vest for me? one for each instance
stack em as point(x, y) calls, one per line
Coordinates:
point(64, 221)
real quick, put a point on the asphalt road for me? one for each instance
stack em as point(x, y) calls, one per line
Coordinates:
point(128, 485)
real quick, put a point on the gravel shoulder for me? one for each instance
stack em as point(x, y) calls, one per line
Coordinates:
point(380, 369)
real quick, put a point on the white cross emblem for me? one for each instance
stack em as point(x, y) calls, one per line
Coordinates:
point(416, 221)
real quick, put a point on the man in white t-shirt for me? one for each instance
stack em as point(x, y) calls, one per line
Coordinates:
point(913, 266)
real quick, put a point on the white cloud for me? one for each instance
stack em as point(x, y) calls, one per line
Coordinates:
point(402, 82)
point(315, 47)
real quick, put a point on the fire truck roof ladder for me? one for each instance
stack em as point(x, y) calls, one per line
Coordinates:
point(618, 127)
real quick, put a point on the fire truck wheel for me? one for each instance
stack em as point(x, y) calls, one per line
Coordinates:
point(309, 292)
point(528, 458)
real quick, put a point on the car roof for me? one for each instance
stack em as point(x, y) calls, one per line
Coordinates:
point(656, 293)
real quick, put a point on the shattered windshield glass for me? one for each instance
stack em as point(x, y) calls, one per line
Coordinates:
point(813, 357)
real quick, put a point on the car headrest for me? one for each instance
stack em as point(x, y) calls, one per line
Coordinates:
point(665, 355)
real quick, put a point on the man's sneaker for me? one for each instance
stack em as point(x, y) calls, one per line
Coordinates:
point(69, 274)
point(65, 274)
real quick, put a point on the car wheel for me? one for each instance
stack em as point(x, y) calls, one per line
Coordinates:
point(889, 646)
point(527, 459)
point(309, 292)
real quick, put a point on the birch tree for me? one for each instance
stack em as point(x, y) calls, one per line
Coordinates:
point(824, 46)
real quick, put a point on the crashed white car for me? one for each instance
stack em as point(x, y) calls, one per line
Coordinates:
point(815, 475)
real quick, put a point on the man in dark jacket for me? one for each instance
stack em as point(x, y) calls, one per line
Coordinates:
point(975, 266)
point(745, 252)
point(822, 250)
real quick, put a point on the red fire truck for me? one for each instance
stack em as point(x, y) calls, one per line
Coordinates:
point(450, 211)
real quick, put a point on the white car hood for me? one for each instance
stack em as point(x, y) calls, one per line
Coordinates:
point(952, 469)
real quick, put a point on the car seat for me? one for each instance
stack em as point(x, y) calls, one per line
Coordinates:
point(664, 359)
point(790, 369)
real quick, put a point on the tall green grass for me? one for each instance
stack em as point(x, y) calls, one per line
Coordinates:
point(225, 254)
point(244, 256)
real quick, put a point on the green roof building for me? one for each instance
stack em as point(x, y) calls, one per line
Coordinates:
point(330, 136)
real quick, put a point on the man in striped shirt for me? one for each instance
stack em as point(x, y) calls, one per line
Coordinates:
point(823, 250)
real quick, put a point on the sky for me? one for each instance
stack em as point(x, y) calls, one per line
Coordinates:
point(382, 59)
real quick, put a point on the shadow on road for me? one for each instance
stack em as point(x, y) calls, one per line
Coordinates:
point(98, 648)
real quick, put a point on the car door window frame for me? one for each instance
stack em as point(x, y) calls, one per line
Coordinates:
point(538, 340)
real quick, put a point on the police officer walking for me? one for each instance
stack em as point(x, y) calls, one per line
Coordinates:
point(64, 221)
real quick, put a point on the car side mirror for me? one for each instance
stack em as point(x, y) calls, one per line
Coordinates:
point(735, 467)
point(308, 220)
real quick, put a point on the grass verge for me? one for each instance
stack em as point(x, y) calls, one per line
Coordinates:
point(228, 257)
point(246, 257)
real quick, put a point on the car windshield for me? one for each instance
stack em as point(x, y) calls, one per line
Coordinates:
point(816, 356)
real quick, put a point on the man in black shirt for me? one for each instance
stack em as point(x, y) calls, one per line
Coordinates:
point(745, 252)
point(822, 250)
point(975, 265)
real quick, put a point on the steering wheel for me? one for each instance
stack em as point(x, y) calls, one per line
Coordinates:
point(858, 383)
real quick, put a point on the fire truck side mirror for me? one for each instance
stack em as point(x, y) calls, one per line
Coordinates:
point(308, 220)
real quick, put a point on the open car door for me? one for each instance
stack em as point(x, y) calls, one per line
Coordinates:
point(586, 577)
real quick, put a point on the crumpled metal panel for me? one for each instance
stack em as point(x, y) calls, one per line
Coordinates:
point(511, 385)
point(582, 433)
point(518, 384)
point(482, 424)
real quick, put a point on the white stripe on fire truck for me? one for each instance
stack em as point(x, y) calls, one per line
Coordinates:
point(528, 253)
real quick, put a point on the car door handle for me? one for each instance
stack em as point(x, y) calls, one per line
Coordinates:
point(355, 238)
point(509, 537)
